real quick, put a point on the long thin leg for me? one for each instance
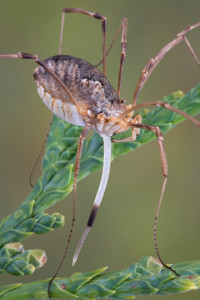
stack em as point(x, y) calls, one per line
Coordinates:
point(99, 195)
point(123, 53)
point(163, 157)
point(23, 55)
point(90, 14)
point(78, 156)
point(157, 58)
point(111, 44)
point(165, 105)
point(76, 171)
point(95, 15)
point(42, 148)
point(123, 26)
point(164, 165)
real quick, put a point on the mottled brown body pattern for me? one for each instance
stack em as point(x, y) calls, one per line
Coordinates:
point(97, 99)
point(88, 85)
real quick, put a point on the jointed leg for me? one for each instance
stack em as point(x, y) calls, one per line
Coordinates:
point(95, 15)
point(164, 165)
point(43, 145)
point(123, 53)
point(157, 58)
point(76, 171)
point(110, 47)
point(78, 156)
point(90, 14)
point(123, 26)
point(23, 55)
point(165, 105)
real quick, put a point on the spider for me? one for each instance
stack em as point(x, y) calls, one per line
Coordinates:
point(80, 94)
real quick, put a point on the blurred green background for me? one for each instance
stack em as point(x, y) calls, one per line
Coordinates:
point(123, 231)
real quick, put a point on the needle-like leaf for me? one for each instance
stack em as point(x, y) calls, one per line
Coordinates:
point(56, 182)
point(147, 277)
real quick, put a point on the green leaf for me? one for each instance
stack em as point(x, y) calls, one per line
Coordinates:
point(24, 223)
point(146, 277)
point(58, 163)
point(16, 261)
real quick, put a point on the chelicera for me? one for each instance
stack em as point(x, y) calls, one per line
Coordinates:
point(80, 94)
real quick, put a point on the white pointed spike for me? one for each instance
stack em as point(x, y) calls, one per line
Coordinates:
point(106, 170)
point(99, 195)
point(80, 245)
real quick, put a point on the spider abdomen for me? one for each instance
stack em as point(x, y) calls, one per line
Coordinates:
point(63, 109)
point(88, 85)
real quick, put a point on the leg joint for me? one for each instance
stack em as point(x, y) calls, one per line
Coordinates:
point(24, 55)
point(99, 16)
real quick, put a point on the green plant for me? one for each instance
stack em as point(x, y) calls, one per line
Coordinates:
point(55, 184)
point(146, 277)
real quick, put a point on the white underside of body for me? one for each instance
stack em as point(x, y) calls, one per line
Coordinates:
point(63, 109)
point(69, 113)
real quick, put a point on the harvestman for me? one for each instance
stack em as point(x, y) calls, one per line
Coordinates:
point(80, 94)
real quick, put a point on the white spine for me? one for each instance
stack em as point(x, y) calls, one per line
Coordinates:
point(100, 192)
point(80, 245)
point(106, 169)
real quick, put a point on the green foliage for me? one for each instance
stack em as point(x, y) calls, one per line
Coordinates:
point(146, 277)
point(16, 261)
point(58, 163)
point(23, 223)
point(57, 182)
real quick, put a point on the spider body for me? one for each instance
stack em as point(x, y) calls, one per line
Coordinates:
point(98, 101)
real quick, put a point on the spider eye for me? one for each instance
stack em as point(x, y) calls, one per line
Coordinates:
point(122, 101)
